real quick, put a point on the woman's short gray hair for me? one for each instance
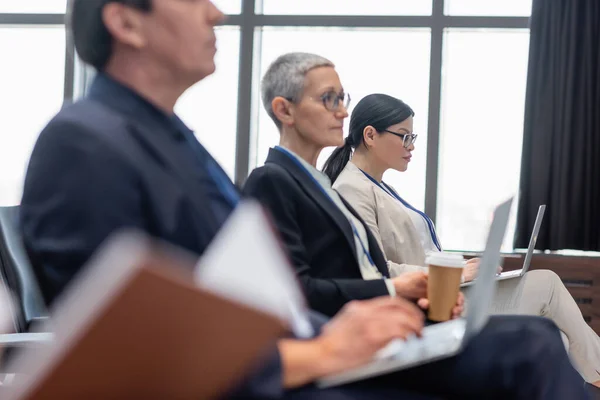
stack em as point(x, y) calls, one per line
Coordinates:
point(285, 78)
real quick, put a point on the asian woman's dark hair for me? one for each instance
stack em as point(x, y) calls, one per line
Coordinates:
point(377, 110)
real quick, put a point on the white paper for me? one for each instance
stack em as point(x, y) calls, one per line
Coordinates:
point(6, 310)
point(246, 263)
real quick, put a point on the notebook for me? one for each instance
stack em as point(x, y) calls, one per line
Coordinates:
point(136, 325)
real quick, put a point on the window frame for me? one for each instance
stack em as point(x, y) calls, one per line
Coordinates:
point(250, 22)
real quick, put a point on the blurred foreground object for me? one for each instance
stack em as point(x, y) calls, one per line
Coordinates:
point(134, 325)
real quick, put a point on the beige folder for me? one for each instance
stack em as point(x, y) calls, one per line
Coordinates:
point(135, 326)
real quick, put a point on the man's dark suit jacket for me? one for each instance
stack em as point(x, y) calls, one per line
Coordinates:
point(108, 162)
point(113, 161)
point(317, 234)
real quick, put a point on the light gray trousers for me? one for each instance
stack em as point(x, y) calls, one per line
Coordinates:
point(542, 293)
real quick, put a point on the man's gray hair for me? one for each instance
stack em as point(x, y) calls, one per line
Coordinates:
point(285, 78)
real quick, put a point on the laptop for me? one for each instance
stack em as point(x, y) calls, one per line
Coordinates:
point(528, 256)
point(444, 339)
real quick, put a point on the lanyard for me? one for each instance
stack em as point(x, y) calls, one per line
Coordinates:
point(386, 188)
point(299, 164)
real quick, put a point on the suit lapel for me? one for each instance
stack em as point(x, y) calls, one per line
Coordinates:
point(311, 188)
point(182, 168)
point(151, 128)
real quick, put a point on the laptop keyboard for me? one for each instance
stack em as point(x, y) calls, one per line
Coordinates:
point(516, 272)
point(437, 340)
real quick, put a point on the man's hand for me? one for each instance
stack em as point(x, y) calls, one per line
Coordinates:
point(411, 285)
point(362, 328)
point(456, 311)
point(350, 339)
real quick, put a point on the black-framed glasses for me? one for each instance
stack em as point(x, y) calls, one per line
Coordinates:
point(332, 100)
point(407, 138)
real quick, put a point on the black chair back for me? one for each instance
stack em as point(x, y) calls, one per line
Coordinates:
point(17, 273)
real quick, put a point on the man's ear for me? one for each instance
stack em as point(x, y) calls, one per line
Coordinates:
point(124, 24)
point(283, 110)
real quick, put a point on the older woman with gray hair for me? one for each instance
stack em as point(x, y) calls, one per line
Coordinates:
point(303, 95)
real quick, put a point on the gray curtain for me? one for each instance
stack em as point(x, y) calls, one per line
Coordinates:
point(561, 146)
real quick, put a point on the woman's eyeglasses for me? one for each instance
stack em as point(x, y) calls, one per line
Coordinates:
point(407, 138)
point(332, 100)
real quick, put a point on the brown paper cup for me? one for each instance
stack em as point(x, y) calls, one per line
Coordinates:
point(443, 284)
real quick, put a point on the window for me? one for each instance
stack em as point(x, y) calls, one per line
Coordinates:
point(483, 75)
point(347, 7)
point(229, 6)
point(210, 106)
point(60, 6)
point(33, 6)
point(514, 8)
point(373, 66)
point(483, 100)
point(32, 82)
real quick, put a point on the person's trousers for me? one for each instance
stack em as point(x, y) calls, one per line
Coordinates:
point(513, 357)
point(541, 292)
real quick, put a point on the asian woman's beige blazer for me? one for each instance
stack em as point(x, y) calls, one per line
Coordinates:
point(390, 223)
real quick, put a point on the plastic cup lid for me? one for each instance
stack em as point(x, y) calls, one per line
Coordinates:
point(442, 259)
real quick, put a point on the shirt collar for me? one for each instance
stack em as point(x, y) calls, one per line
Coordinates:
point(123, 99)
point(318, 175)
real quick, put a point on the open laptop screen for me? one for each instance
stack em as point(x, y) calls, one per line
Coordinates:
point(533, 239)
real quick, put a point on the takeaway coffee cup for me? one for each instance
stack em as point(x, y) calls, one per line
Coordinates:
point(445, 270)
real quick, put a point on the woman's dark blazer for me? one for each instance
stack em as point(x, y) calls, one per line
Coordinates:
point(318, 236)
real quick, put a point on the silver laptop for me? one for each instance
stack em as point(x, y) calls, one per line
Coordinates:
point(530, 249)
point(447, 338)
